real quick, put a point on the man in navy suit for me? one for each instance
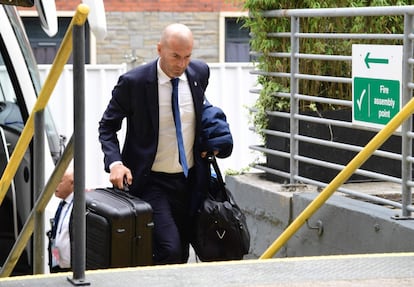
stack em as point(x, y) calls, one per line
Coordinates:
point(149, 162)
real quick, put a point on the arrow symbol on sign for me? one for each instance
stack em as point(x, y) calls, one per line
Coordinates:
point(374, 60)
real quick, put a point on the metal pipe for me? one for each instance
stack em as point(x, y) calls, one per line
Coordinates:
point(407, 126)
point(341, 12)
point(354, 164)
point(294, 102)
point(39, 181)
point(359, 36)
point(352, 193)
point(79, 224)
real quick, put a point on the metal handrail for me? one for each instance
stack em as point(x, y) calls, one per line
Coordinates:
point(39, 206)
point(345, 174)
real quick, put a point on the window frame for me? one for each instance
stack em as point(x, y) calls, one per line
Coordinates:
point(222, 31)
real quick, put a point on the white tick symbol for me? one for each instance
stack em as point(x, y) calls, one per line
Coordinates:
point(359, 101)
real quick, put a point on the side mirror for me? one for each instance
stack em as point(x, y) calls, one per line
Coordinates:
point(24, 3)
point(97, 18)
point(48, 18)
point(46, 10)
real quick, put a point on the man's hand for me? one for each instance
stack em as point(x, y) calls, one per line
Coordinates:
point(204, 153)
point(120, 173)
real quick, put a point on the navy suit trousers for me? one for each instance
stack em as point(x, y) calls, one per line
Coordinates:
point(169, 196)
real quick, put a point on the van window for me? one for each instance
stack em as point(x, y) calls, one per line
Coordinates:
point(6, 87)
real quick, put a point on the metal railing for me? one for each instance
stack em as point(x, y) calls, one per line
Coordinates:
point(296, 136)
point(73, 35)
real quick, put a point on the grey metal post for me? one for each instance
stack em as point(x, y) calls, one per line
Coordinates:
point(79, 224)
point(407, 77)
point(39, 181)
point(294, 103)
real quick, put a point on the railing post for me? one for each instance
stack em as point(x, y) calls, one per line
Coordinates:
point(294, 103)
point(406, 150)
point(79, 224)
point(39, 181)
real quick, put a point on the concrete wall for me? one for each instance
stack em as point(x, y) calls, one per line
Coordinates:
point(134, 27)
point(350, 226)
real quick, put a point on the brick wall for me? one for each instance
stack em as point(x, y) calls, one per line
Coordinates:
point(159, 5)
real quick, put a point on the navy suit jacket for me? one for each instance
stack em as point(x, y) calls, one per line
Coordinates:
point(135, 97)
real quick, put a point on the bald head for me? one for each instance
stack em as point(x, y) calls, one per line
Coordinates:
point(177, 32)
point(65, 187)
point(175, 49)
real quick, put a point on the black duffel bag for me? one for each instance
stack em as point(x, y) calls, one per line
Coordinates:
point(220, 229)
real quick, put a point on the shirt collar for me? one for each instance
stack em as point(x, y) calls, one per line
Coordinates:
point(69, 198)
point(163, 78)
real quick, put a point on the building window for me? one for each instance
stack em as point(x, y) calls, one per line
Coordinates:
point(44, 47)
point(236, 41)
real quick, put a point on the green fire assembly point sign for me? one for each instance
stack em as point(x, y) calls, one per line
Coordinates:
point(376, 79)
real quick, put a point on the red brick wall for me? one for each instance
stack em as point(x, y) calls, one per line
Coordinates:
point(159, 5)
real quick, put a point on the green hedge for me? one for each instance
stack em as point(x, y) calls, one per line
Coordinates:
point(262, 45)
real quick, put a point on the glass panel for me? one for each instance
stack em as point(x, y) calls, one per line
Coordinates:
point(31, 65)
point(237, 41)
point(6, 87)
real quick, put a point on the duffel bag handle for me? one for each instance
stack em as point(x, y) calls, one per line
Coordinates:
point(224, 194)
point(212, 160)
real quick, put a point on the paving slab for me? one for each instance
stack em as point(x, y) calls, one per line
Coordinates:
point(393, 269)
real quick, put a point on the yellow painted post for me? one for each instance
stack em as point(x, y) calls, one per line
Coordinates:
point(353, 165)
point(56, 70)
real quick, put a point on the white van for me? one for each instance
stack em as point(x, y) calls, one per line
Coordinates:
point(19, 86)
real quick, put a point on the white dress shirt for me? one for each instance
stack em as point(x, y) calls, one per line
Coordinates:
point(166, 159)
point(62, 240)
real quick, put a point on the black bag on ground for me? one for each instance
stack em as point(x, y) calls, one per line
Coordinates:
point(119, 229)
point(220, 229)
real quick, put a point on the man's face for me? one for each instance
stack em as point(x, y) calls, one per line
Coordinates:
point(175, 57)
point(65, 187)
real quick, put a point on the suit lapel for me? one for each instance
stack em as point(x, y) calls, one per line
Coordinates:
point(196, 92)
point(152, 95)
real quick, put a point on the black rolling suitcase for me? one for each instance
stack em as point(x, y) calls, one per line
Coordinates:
point(118, 230)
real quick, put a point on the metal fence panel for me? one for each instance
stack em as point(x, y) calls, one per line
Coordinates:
point(295, 150)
